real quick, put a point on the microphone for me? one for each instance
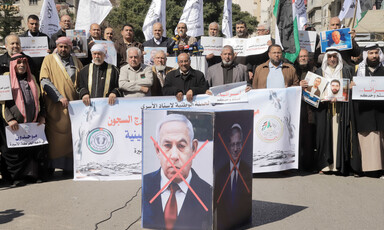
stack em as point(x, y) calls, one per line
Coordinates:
point(201, 49)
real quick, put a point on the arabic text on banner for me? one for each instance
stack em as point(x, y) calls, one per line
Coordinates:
point(34, 46)
point(107, 140)
point(5, 88)
point(229, 93)
point(368, 88)
point(28, 134)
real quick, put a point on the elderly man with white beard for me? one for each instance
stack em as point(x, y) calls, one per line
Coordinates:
point(332, 119)
point(159, 70)
point(227, 71)
point(101, 76)
point(369, 117)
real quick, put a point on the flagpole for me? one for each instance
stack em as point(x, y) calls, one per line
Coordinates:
point(354, 14)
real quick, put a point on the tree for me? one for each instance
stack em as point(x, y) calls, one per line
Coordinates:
point(9, 22)
point(134, 12)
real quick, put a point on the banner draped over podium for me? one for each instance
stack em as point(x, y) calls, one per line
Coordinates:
point(107, 140)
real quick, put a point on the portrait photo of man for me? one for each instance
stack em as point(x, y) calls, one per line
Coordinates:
point(233, 177)
point(335, 87)
point(176, 207)
point(314, 89)
point(336, 38)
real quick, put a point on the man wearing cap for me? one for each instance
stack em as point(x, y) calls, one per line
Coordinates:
point(98, 79)
point(332, 120)
point(58, 82)
point(369, 116)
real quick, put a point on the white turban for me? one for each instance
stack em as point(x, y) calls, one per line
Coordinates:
point(98, 48)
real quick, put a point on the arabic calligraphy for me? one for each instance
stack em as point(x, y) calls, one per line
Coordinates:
point(130, 119)
point(133, 136)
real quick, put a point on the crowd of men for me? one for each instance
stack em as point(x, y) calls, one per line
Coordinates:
point(337, 137)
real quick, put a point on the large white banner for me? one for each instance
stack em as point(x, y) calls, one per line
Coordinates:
point(91, 11)
point(193, 17)
point(226, 24)
point(49, 18)
point(156, 13)
point(107, 140)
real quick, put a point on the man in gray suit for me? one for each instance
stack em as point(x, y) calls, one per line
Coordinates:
point(227, 71)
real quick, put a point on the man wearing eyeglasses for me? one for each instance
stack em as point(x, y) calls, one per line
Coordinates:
point(274, 73)
point(159, 70)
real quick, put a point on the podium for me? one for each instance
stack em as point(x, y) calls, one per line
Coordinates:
point(197, 169)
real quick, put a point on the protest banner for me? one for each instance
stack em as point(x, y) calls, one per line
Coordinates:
point(368, 88)
point(79, 42)
point(150, 53)
point(212, 45)
point(107, 140)
point(34, 46)
point(229, 93)
point(5, 88)
point(336, 39)
point(28, 134)
point(111, 55)
point(307, 40)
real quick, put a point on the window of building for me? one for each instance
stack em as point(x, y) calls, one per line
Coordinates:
point(32, 2)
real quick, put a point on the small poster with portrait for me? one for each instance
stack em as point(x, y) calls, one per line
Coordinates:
point(79, 42)
point(150, 52)
point(111, 55)
point(316, 84)
point(337, 89)
point(336, 39)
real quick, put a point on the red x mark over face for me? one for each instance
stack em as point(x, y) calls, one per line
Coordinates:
point(178, 172)
point(234, 161)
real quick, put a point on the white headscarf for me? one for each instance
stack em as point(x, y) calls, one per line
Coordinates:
point(327, 71)
point(362, 66)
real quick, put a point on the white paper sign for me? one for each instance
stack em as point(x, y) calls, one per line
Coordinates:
point(5, 88)
point(368, 88)
point(28, 134)
point(242, 46)
point(229, 93)
point(34, 46)
point(212, 45)
point(308, 40)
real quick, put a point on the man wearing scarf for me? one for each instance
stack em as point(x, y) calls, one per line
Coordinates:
point(58, 82)
point(369, 116)
point(20, 165)
point(98, 79)
point(333, 137)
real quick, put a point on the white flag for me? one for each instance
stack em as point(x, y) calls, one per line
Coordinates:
point(49, 18)
point(348, 10)
point(156, 13)
point(226, 24)
point(193, 17)
point(301, 13)
point(91, 11)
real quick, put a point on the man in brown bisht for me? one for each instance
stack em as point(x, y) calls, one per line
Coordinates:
point(58, 78)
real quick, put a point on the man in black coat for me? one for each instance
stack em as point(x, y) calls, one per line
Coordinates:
point(184, 80)
point(158, 39)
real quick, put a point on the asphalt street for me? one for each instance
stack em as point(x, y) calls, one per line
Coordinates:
point(290, 200)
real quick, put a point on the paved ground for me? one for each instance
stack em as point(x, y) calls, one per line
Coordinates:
point(280, 201)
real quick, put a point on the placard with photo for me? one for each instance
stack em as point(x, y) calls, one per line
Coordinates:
point(336, 39)
point(79, 42)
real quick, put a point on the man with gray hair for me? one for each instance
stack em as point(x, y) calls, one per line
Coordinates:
point(227, 71)
point(13, 46)
point(98, 79)
point(176, 207)
point(213, 31)
point(159, 70)
point(135, 78)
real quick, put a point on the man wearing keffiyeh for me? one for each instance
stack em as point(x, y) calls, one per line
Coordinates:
point(369, 116)
point(20, 165)
point(332, 121)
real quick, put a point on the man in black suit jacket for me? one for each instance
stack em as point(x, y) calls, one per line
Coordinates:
point(175, 137)
point(234, 206)
point(158, 40)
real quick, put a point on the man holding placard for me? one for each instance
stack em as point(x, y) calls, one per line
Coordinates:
point(332, 120)
point(369, 115)
point(21, 165)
